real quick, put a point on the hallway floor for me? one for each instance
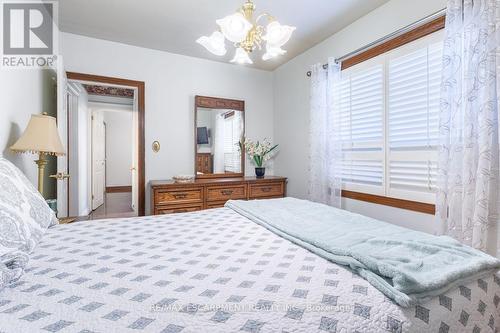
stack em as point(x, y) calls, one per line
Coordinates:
point(115, 205)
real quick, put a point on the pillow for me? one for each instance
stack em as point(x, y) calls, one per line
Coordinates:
point(24, 218)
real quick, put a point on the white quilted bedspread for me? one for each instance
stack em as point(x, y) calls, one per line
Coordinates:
point(213, 271)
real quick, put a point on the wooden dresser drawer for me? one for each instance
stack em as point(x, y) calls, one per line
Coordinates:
point(212, 205)
point(177, 209)
point(266, 190)
point(169, 197)
point(226, 193)
point(179, 196)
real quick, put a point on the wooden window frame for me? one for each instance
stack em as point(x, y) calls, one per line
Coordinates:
point(408, 37)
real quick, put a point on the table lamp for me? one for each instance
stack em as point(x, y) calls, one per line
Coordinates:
point(40, 137)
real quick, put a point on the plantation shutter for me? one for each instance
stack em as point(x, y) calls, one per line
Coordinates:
point(228, 150)
point(237, 131)
point(232, 157)
point(362, 108)
point(389, 113)
point(413, 110)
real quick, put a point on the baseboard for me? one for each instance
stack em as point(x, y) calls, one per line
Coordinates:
point(118, 189)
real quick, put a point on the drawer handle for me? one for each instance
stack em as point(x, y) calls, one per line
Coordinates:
point(227, 192)
point(180, 196)
point(266, 189)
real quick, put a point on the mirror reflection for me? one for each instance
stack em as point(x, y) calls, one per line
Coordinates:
point(218, 133)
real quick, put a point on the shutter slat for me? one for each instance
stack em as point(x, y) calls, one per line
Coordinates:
point(413, 175)
point(413, 116)
point(362, 107)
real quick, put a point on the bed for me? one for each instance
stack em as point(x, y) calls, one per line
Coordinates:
point(213, 271)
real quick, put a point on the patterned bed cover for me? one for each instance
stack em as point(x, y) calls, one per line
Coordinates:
point(213, 271)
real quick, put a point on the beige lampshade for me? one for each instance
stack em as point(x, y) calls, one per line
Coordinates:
point(41, 136)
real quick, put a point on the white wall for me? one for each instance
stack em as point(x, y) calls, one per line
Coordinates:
point(172, 81)
point(23, 93)
point(291, 101)
point(119, 143)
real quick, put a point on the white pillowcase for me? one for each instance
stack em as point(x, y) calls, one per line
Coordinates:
point(24, 218)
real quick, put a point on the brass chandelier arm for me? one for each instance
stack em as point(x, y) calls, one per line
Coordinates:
point(253, 40)
point(258, 36)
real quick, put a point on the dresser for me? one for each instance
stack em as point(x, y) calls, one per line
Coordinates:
point(204, 163)
point(168, 197)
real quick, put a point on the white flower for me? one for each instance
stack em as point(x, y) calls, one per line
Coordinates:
point(262, 149)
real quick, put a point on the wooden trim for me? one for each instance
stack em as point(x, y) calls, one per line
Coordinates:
point(141, 105)
point(118, 189)
point(393, 202)
point(410, 36)
point(220, 175)
point(217, 103)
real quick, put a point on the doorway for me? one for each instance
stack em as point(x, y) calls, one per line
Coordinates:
point(105, 160)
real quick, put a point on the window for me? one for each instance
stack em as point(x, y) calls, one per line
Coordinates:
point(389, 121)
point(232, 155)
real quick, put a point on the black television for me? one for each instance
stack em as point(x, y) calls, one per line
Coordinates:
point(202, 135)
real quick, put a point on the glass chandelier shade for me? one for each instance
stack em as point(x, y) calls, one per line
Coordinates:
point(241, 57)
point(245, 33)
point(278, 35)
point(234, 27)
point(272, 52)
point(216, 43)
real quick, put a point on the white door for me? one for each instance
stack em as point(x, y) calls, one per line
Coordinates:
point(62, 121)
point(135, 154)
point(72, 156)
point(98, 160)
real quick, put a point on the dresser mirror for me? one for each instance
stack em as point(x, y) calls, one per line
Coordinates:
point(219, 127)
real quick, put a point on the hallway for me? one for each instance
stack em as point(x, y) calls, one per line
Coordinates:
point(115, 205)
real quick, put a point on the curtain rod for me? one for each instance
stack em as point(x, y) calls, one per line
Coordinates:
point(395, 34)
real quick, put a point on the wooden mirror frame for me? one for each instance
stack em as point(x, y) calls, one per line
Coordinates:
point(217, 103)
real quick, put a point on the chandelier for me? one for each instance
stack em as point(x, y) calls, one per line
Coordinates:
point(247, 35)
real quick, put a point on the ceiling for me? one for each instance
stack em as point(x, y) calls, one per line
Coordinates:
point(174, 25)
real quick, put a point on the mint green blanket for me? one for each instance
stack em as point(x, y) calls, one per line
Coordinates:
point(406, 265)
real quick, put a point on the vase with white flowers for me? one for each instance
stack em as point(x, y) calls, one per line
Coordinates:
point(260, 153)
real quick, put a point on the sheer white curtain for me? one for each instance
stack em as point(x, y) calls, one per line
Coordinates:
point(325, 143)
point(467, 200)
point(237, 137)
point(219, 144)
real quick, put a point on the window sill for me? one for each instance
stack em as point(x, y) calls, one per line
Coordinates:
point(393, 202)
